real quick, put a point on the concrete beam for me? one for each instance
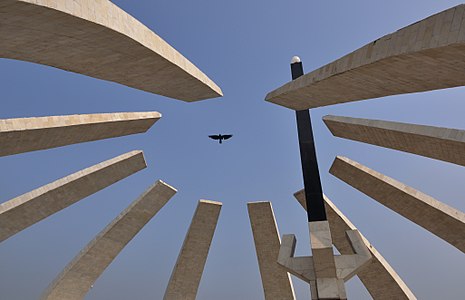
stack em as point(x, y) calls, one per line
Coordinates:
point(379, 278)
point(187, 272)
point(435, 142)
point(98, 39)
point(21, 212)
point(79, 275)
point(276, 281)
point(30, 134)
point(426, 55)
point(438, 218)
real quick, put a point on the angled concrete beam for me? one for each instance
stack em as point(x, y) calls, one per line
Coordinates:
point(79, 275)
point(21, 212)
point(379, 278)
point(440, 219)
point(187, 272)
point(435, 142)
point(98, 39)
point(276, 281)
point(30, 134)
point(426, 55)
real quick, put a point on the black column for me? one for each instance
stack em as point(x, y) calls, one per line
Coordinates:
point(312, 183)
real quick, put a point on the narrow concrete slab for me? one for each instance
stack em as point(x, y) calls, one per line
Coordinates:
point(30, 134)
point(435, 142)
point(23, 211)
point(379, 278)
point(79, 275)
point(276, 281)
point(438, 218)
point(187, 272)
point(98, 39)
point(426, 55)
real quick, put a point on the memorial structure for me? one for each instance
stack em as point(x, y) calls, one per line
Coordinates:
point(427, 55)
point(100, 40)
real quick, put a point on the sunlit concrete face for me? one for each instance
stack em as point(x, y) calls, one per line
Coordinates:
point(426, 55)
point(76, 279)
point(440, 219)
point(435, 142)
point(21, 212)
point(187, 272)
point(276, 281)
point(98, 39)
point(379, 278)
point(29, 134)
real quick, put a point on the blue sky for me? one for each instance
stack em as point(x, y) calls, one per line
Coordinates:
point(245, 47)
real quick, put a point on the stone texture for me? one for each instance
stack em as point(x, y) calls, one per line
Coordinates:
point(435, 142)
point(276, 281)
point(187, 272)
point(29, 134)
point(98, 39)
point(21, 212)
point(77, 278)
point(440, 219)
point(381, 281)
point(423, 56)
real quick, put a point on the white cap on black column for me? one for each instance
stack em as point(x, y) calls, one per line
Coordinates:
point(295, 59)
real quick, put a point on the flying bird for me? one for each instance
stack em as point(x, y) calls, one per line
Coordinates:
point(220, 137)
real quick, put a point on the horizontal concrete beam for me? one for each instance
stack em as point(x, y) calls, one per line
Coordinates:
point(79, 275)
point(438, 218)
point(98, 39)
point(379, 278)
point(30, 134)
point(435, 142)
point(187, 272)
point(21, 212)
point(426, 55)
point(276, 281)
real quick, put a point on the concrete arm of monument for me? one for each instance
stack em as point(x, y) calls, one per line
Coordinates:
point(301, 267)
point(426, 55)
point(98, 39)
point(348, 266)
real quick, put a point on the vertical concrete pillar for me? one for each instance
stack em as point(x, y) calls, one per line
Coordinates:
point(79, 275)
point(187, 272)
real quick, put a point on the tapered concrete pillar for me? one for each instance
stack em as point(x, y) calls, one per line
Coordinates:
point(79, 275)
point(276, 281)
point(379, 278)
point(435, 142)
point(21, 212)
point(187, 272)
point(426, 55)
point(29, 134)
point(440, 219)
point(98, 39)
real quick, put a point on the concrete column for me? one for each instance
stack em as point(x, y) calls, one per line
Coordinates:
point(30, 134)
point(187, 272)
point(445, 144)
point(379, 278)
point(276, 281)
point(79, 275)
point(99, 39)
point(426, 55)
point(21, 212)
point(440, 219)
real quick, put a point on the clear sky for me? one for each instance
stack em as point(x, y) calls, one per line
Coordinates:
point(245, 47)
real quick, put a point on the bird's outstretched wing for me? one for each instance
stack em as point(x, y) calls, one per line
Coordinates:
point(227, 136)
point(214, 137)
